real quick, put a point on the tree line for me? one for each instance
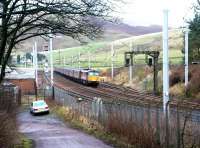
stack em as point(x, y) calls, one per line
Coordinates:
point(24, 19)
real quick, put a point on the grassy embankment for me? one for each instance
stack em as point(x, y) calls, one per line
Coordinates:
point(100, 52)
point(100, 57)
point(115, 133)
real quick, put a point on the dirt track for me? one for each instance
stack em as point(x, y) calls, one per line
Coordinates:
point(48, 131)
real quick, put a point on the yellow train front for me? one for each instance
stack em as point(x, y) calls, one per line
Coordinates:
point(90, 77)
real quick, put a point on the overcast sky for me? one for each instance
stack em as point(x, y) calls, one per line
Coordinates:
point(148, 12)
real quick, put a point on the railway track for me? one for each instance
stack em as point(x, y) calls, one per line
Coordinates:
point(115, 93)
point(90, 92)
point(150, 97)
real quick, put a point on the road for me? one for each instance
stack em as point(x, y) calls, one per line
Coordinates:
point(48, 131)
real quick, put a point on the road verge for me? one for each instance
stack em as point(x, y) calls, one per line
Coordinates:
point(90, 127)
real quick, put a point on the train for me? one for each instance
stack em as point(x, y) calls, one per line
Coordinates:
point(84, 76)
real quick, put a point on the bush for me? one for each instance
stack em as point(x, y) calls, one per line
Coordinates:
point(194, 84)
point(178, 90)
point(137, 135)
point(176, 76)
point(8, 130)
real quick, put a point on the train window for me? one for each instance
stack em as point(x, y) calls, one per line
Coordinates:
point(93, 73)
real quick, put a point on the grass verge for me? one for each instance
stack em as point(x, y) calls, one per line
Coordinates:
point(24, 142)
point(79, 122)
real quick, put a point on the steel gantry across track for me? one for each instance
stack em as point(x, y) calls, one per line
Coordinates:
point(154, 54)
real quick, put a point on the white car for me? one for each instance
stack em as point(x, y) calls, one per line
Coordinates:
point(39, 106)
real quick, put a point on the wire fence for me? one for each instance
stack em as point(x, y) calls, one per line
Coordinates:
point(39, 94)
point(182, 130)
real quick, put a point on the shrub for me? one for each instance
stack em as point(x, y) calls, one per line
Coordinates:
point(178, 90)
point(176, 76)
point(137, 135)
point(194, 84)
point(8, 130)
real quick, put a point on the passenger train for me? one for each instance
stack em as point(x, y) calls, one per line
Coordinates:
point(84, 76)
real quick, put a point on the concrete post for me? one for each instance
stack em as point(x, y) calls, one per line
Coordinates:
point(112, 61)
point(186, 56)
point(51, 57)
point(165, 62)
point(131, 67)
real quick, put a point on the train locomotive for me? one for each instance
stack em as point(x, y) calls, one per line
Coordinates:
point(84, 76)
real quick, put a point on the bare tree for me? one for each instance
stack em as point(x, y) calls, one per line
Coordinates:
point(24, 19)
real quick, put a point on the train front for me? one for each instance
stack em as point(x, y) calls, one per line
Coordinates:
point(93, 77)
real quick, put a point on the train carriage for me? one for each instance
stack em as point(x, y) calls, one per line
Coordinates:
point(84, 76)
point(76, 74)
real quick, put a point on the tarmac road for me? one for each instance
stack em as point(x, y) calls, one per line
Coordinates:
point(48, 131)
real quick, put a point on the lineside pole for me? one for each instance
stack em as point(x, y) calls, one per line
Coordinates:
point(186, 56)
point(89, 60)
point(112, 61)
point(131, 66)
point(79, 62)
point(165, 62)
point(166, 77)
point(51, 62)
point(36, 64)
point(64, 61)
point(25, 61)
point(35, 67)
point(51, 57)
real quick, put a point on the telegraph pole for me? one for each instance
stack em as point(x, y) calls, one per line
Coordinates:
point(79, 62)
point(166, 77)
point(186, 56)
point(89, 60)
point(72, 61)
point(51, 56)
point(64, 61)
point(130, 67)
point(35, 63)
point(59, 58)
point(25, 61)
point(165, 62)
point(112, 60)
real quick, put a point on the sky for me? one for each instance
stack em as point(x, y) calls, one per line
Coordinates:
point(150, 12)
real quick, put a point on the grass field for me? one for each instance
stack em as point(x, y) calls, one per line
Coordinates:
point(99, 53)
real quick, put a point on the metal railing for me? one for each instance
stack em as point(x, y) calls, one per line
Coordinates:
point(182, 130)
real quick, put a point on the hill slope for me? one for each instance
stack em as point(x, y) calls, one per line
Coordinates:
point(100, 52)
point(111, 32)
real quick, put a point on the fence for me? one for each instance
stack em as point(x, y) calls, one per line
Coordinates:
point(182, 130)
point(39, 94)
point(9, 95)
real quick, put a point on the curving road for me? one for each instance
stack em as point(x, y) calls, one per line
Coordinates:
point(48, 131)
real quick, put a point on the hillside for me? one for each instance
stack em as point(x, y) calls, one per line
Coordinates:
point(100, 52)
point(132, 30)
point(111, 32)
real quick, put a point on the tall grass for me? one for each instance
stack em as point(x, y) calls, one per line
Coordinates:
point(133, 133)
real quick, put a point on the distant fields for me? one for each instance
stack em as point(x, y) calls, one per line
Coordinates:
point(99, 53)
